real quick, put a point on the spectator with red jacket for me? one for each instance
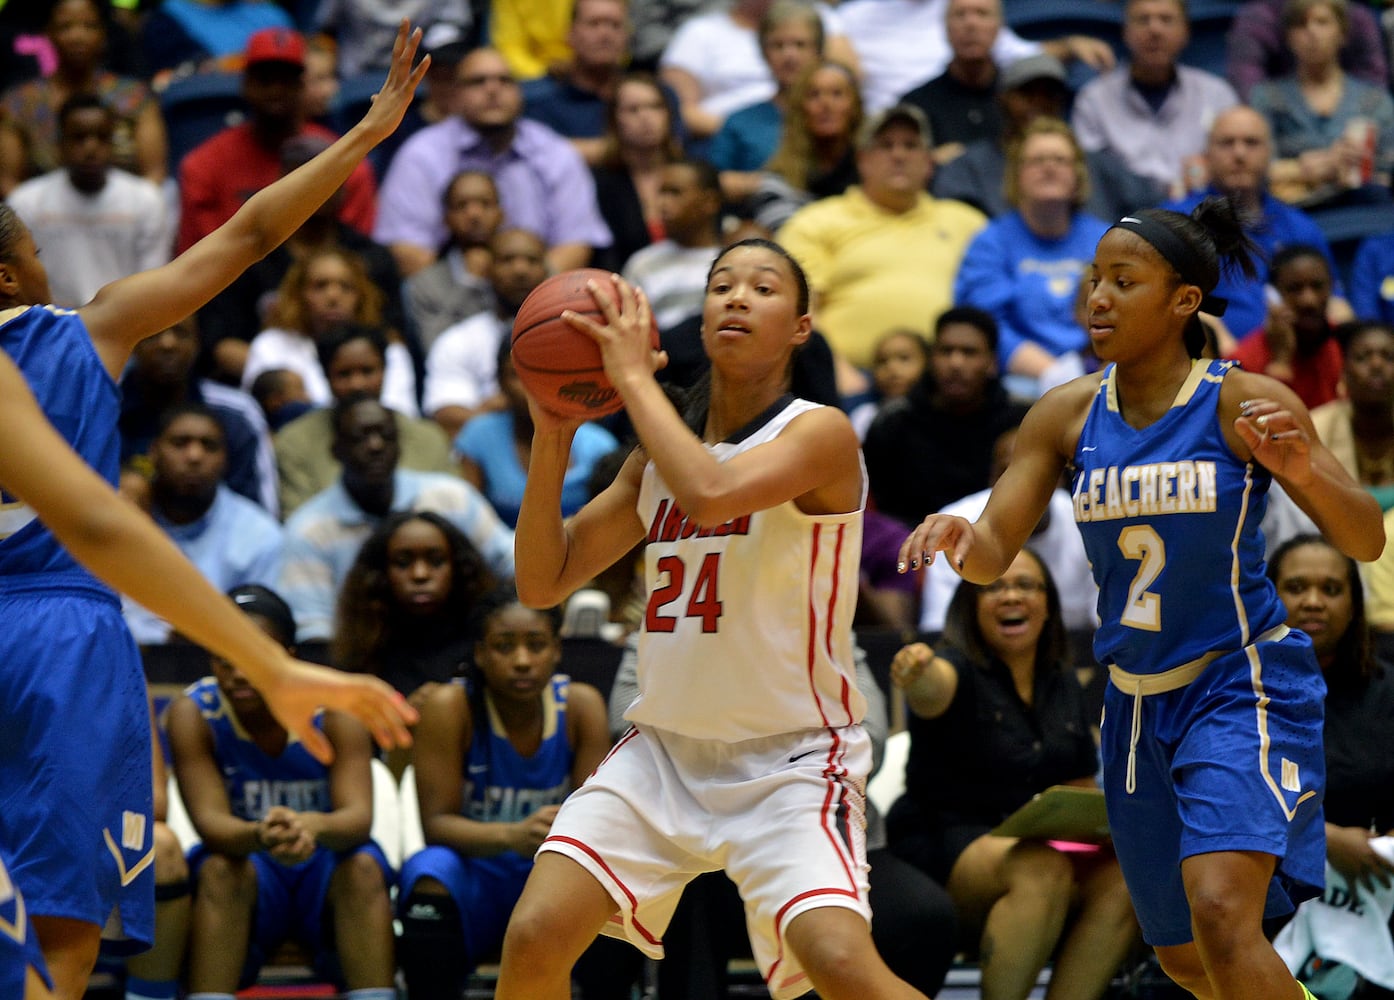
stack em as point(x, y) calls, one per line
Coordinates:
point(219, 175)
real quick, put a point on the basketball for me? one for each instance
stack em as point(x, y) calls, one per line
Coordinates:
point(558, 364)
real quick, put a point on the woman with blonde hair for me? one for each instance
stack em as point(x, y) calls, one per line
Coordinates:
point(816, 155)
point(323, 290)
point(791, 39)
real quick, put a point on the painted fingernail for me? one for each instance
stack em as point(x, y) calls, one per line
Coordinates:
point(1262, 421)
point(900, 566)
point(960, 564)
point(914, 564)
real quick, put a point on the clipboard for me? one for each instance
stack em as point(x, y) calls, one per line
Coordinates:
point(1061, 812)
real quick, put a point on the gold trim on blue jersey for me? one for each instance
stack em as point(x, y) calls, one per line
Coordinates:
point(1234, 567)
point(128, 875)
point(1261, 719)
point(17, 930)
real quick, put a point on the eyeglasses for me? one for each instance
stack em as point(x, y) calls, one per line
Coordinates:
point(998, 588)
point(1048, 160)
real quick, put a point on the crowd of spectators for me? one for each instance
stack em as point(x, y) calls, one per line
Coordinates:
point(346, 410)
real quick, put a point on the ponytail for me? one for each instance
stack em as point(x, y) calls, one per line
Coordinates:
point(1224, 222)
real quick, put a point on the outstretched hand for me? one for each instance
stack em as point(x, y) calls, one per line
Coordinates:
point(910, 663)
point(626, 337)
point(936, 533)
point(1350, 851)
point(299, 690)
point(391, 101)
point(1276, 439)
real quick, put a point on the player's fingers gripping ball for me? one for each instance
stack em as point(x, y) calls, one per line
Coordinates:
point(561, 366)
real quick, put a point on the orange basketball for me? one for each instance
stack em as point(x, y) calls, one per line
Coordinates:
point(558, 364)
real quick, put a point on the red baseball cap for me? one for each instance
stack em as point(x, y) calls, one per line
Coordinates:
point(275, 45)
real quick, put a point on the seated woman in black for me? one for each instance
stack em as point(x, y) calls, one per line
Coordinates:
point(997, 717)
point(1321, 588)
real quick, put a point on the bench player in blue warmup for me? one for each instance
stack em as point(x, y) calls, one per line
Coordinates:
point(286, 850)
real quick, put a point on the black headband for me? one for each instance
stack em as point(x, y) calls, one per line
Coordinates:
point(1176, 252)
point(254, 599)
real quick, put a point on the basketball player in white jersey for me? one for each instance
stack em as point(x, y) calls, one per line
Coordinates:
point(747, 753)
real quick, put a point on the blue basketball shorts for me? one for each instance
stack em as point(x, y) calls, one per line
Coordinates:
point(291, 905)
point(1232, 761)
point(485, 890)
point(76, 795)
point(19, 946)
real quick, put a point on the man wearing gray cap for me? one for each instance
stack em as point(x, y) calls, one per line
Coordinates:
point(1028, 89)
point(884, 253)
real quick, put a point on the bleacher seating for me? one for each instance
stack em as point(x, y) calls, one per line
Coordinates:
point(1042, 19)
point(1346, 226)
point(197, 106)
point(1210, 21)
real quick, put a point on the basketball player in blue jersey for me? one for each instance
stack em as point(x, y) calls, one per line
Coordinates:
point(75, 788)
point(285, 846)
point(1213, 765)
point(747, 753)
point(22, 969)
point(128, 552)
point(494, 758)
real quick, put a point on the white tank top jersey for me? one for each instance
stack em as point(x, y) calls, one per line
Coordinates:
point(748, 629)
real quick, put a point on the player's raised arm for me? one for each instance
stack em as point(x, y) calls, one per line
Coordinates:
point(127, 311)
point(123, 547)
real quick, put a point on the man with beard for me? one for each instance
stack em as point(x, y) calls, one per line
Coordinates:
point(542, 181)
point(161, 375)
point(219, 175)
point(456, 286)
point(323, 537)
point(462, 368)
point(231, 540)
point(934, 445)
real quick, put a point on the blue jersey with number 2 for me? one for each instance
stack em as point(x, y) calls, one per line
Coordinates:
point(1170, 519)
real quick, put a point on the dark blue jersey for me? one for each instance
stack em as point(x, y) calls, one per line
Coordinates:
point(1170, 519)
point(503, 786)
point(255, 780)
point(50, 346)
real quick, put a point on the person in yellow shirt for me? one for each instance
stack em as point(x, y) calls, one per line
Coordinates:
point(883, 254)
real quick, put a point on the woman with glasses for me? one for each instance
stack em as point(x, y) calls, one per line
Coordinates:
point(997, 716)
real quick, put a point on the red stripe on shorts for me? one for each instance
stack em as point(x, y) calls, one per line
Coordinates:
point(633, 900)
point(779, 925)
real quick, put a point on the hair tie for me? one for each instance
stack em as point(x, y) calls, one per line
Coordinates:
point(1176, 252)
point(1213, 304)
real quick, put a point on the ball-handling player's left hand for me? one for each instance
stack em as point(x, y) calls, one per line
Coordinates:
point(1276, 439)
point(298, 691)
